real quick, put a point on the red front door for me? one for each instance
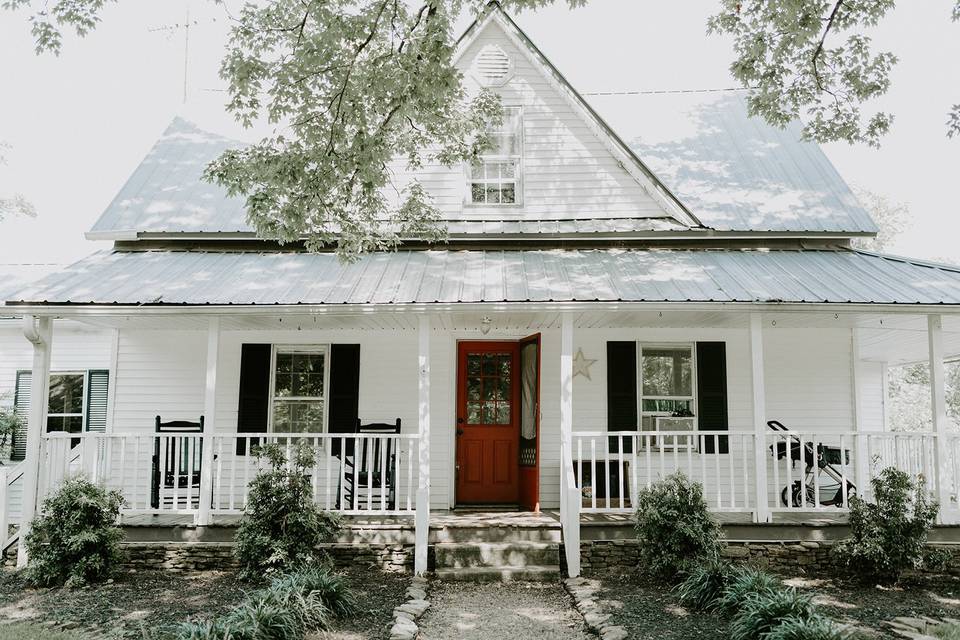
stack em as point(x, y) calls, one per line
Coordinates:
point(488, 423)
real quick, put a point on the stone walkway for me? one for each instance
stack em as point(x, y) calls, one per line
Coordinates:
point(495, 611)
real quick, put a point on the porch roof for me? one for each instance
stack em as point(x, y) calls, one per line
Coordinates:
point(151, 278)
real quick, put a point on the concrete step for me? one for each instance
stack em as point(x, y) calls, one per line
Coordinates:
point(533, 573)
point(487, 533)
point(459, 555)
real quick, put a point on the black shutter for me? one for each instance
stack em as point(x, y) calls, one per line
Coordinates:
point(98, 387)
point(344, 405)
point(621, 390)
point(254, 403)
point(712, 393)
point(21, 409)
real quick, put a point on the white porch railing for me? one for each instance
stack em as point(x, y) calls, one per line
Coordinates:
point(161, 473)
point(805, 471)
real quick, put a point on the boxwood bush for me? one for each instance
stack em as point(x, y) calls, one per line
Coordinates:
point(674, 526)
point(75, 538)
point(887, 536)
point(282, 526)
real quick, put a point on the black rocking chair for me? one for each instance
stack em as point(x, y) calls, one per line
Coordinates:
point(370, 473)
point(176, 464)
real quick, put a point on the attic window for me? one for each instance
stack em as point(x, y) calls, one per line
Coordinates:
point(495, 179)
point(492, 66)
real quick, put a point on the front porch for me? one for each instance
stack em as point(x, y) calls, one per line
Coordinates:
point(588, 473)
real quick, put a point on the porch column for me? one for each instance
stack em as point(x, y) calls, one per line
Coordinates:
point(423, 486)
point(860, 440)
point(762, 511)
point(209, 423)
point(39, 331)
point(938, 406)
point(566, 405)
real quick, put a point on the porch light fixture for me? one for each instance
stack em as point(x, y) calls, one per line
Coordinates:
point(485, 324)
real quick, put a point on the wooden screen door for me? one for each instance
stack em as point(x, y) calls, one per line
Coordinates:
point(488, 423)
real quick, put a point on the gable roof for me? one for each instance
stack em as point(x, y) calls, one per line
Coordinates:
point(707, 164)
point(735, 171)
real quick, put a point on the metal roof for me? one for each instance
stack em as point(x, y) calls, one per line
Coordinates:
point(732, 171)
point(412, 277)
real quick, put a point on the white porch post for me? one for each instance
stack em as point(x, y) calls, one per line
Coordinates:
point(861, 467)
point(39, 331)
point(566, 403)
point(209, 423)
point(938, 405)
point(423, 487)
point(762, 511)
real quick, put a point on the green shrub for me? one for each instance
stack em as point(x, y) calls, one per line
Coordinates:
point(762, 612)
point(815, 627)
point(75, 539)
point(745, 583)
point(937, 560)
point(9, 423)
point(204, 630)
point(674, 526)
point(888, 535)
point(704, 585)
point(282, 527)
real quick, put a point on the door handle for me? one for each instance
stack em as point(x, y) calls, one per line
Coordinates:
point(459, 432)
point(459, 420)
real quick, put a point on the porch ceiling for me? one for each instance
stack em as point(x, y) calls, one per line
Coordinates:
point(892, 338)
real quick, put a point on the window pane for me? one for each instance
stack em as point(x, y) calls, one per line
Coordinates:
point(667, 372)
point(493, 195)
point(72, 424)
point(298, 416)
point(477, 193)
point(508, 170)
point(299, 375)
point(66, 393)
point(508, 194)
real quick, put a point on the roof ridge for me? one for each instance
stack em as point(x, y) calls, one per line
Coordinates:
point(892, 257)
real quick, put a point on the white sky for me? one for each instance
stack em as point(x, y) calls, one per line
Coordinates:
point(81, 123)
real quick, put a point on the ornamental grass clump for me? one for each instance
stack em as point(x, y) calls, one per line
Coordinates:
point(761, 613)
point(291, 606)
point(75, 540)
point(745, 583)
point(282, 527)
point(705, 584)
point(674, 526)
point(816, 627)
point(887, 536)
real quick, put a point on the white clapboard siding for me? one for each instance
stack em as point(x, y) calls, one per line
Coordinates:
point(873, 401)
point(567, 171)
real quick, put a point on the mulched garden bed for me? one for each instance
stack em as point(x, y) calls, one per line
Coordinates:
point(157, 599)
point(868, 606)
point(649, 609)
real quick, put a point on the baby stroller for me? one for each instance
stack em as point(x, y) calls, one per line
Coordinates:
point(824, 462)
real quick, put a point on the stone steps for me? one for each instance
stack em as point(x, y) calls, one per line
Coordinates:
point(459, 555)
point(500, 574)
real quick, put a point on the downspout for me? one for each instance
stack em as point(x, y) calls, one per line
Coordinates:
point(30, 330)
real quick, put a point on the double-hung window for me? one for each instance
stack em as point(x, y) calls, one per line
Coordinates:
point(495, 177)
point(299, 398)
point(668, 393)
point(65, 412)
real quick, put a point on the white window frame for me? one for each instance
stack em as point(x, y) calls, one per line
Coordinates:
point(495, 158)
point(83, 409)
point(300, 348)
point(692, 444)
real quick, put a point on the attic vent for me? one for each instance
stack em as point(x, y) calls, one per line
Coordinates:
point(493, 66)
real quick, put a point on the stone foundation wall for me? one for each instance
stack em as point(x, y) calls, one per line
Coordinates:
point(809, 557)
point(209, 556)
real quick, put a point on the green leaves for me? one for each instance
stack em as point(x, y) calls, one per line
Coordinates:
point(75, 539)
point(810, 60)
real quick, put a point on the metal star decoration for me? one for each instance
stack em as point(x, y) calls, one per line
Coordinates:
point(581, 365)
